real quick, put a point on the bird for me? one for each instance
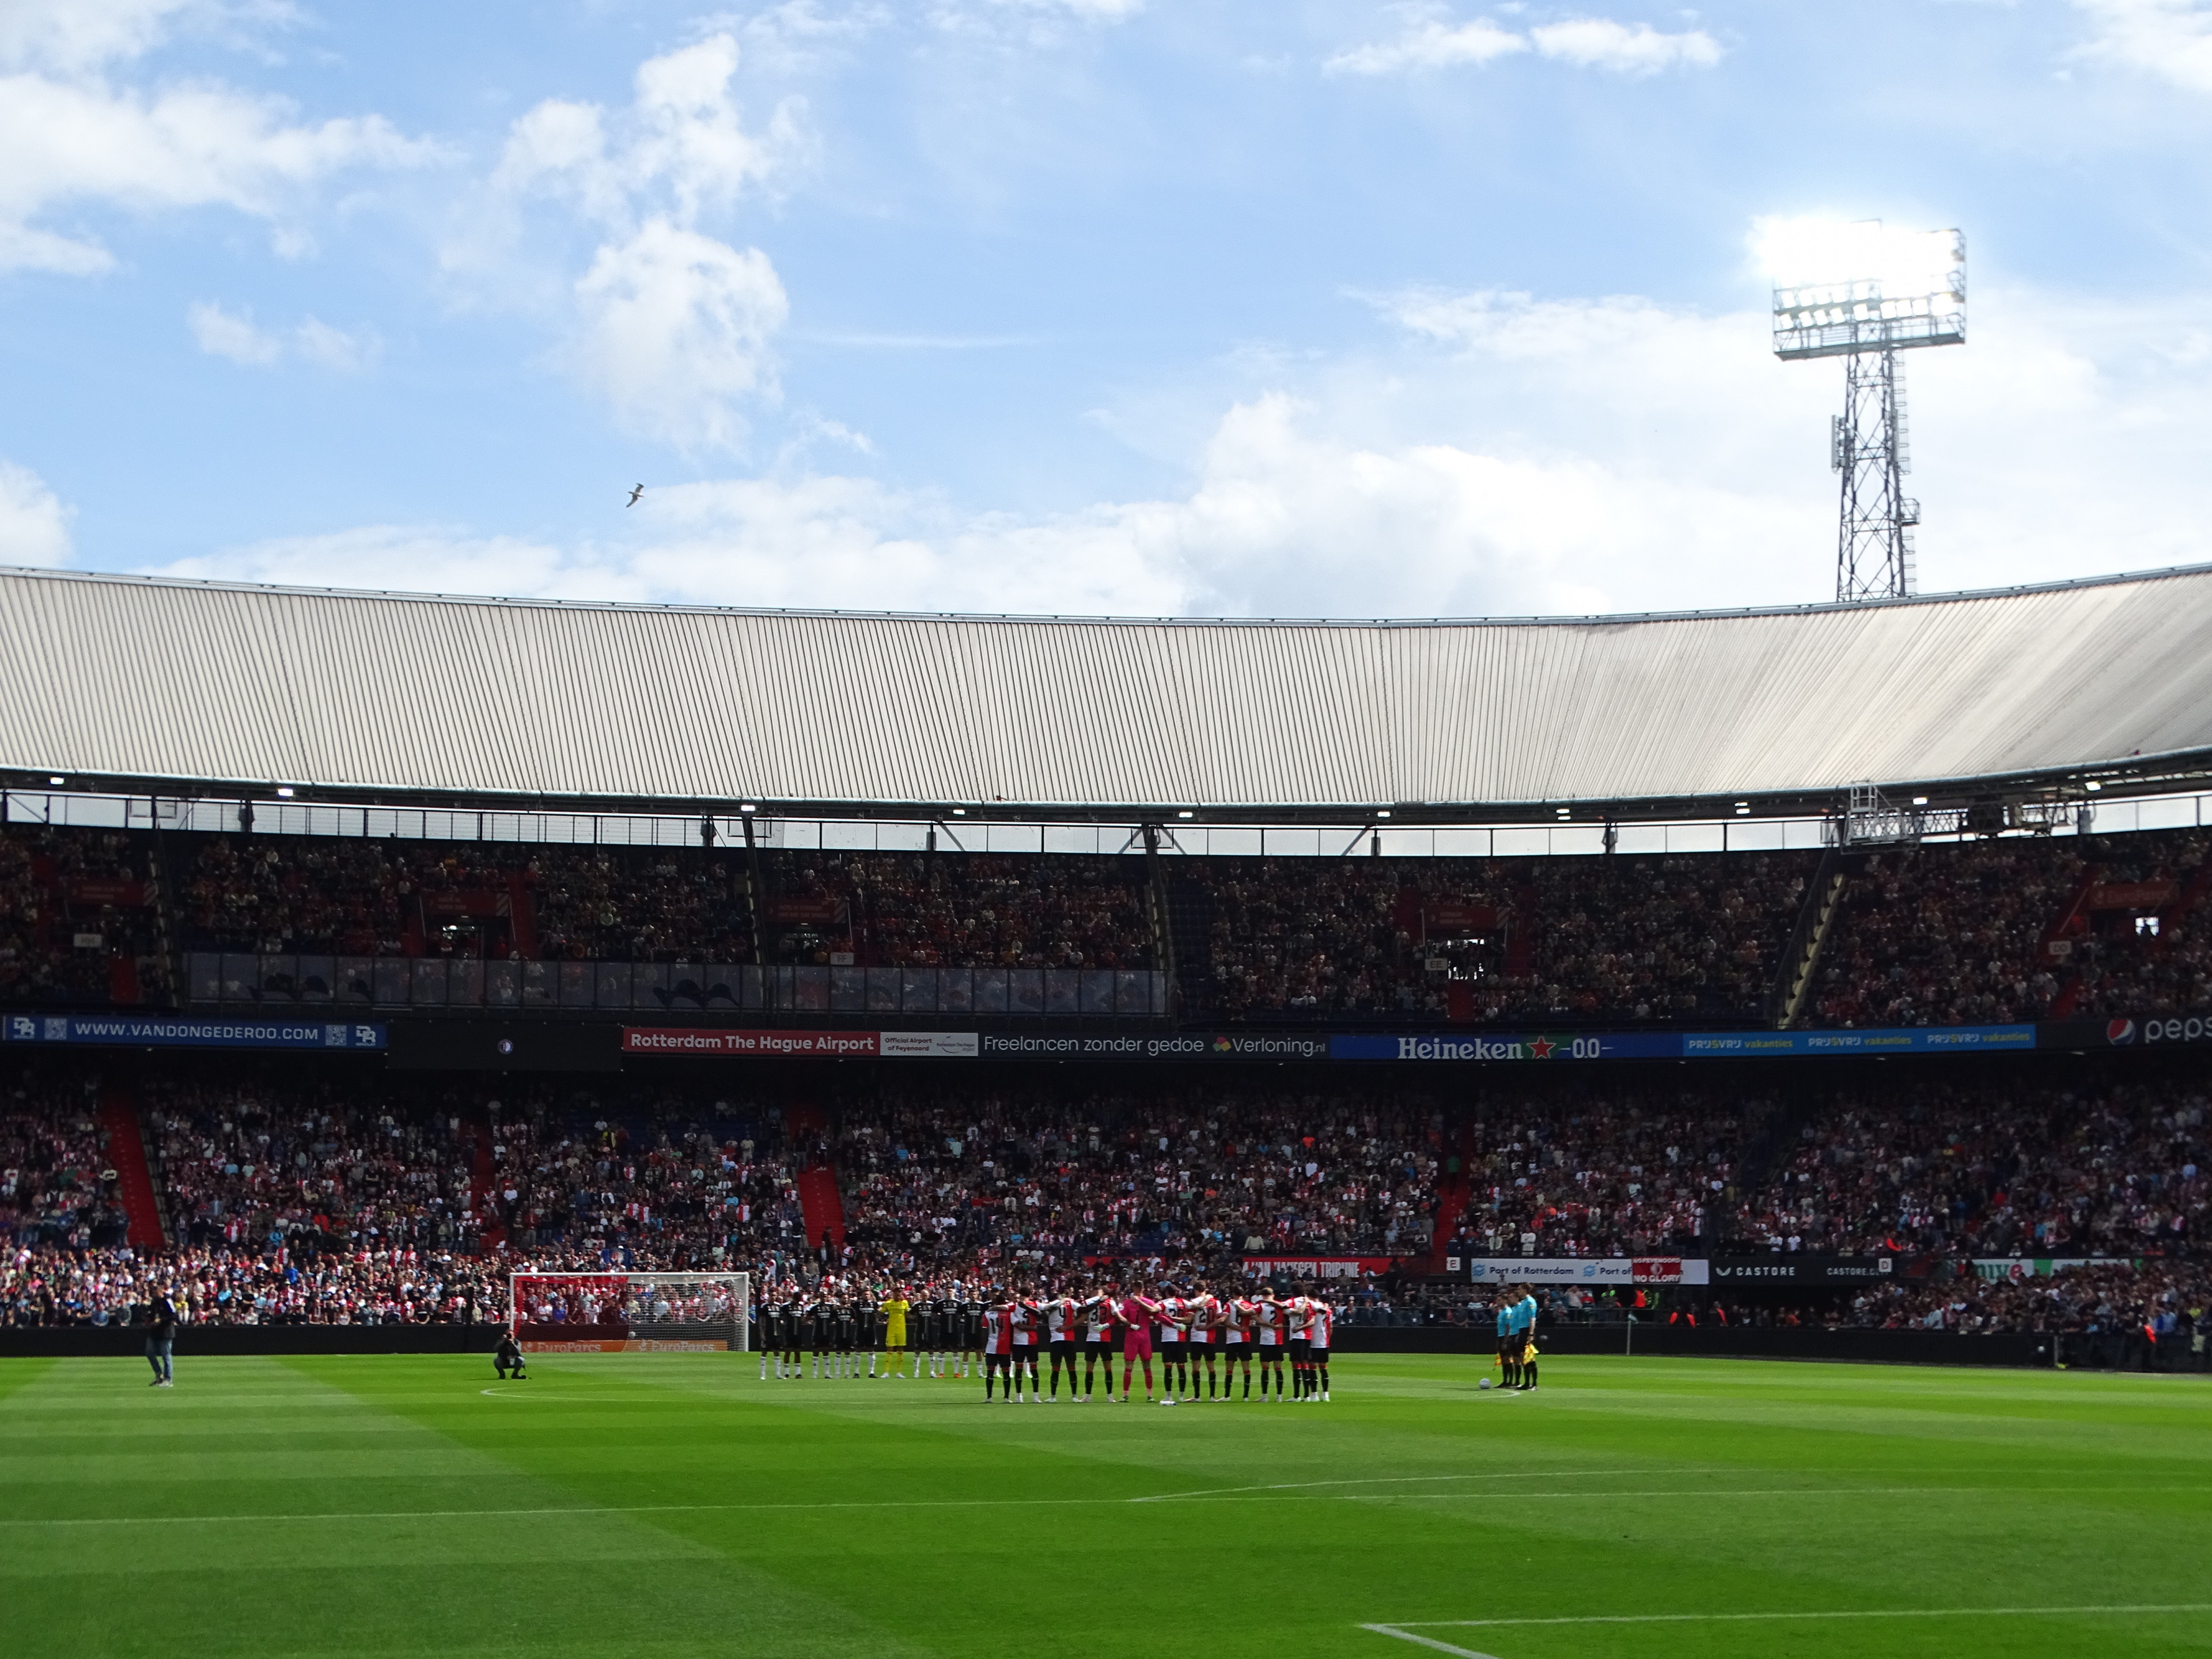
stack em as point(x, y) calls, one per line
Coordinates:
point(633, 495)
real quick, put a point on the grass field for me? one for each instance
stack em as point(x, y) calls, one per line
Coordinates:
point(651, 1504)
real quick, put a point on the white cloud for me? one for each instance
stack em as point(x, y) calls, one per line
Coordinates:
point(78, 143)
point(681, 148)
point(673, 325)
point(33, 523)
point(676, 329)
point(1430, 44)
point(221, 333)
point(340, 349)
point(2170, 40)
point(76, 35)
point(1600, 43)
point(1432, 41)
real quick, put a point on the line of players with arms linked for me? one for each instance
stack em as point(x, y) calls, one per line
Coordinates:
point(1024, 1338)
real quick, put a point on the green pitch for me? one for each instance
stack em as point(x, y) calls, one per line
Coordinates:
point(677, 1505)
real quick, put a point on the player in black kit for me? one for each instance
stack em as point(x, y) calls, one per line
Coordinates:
point(849, 1329)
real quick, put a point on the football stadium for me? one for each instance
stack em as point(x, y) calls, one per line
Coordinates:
point(568, 1128)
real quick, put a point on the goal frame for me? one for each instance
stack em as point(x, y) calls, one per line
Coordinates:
point(738, 1341)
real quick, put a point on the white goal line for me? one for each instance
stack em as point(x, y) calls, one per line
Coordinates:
point(1408, 1630)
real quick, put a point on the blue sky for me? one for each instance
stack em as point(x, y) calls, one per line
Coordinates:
point(1136, 306)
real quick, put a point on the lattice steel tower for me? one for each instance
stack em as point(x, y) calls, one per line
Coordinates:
point(1857, 320)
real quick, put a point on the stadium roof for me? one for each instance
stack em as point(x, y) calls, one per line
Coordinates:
point(150, 685)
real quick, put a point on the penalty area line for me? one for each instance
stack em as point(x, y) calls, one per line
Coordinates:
point(1408, 1631)
point(1403, 1635)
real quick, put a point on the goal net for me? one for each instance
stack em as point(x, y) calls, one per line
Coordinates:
point(628, 1313)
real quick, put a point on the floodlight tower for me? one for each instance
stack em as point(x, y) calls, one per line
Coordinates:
point(1919, 300)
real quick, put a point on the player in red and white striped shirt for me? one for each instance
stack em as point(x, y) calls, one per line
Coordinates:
point(1320, 1323)
point(1021, 1318)
point(1270, 1318)
point(1202, 1323)
point(1237, 1332)
point(1167, 1336)
point(1300, 1309)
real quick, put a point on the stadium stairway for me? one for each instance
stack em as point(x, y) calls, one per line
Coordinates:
point(1453, 1191)
point(522, 915)
point(2071, 923)
point(134, 1177)
point(491, 1230)
point(1190, 938)
point(823, 1204)
point(1816, 918)
point(1521, 931)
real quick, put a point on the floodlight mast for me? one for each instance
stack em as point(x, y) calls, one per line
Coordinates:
point(1857, 320)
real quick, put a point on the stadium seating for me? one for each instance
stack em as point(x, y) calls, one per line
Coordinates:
point(297, 1197)
point(1973, 933)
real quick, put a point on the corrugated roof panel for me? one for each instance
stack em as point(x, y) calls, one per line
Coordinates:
point(214, 683)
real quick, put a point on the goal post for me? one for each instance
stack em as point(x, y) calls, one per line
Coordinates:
point(630, 1312)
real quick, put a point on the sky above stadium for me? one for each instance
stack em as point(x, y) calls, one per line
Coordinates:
point(1291, 307)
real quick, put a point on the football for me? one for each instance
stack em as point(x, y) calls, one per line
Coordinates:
point(1487, 1383)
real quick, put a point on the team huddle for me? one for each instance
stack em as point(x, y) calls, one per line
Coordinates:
point(1026, 1340)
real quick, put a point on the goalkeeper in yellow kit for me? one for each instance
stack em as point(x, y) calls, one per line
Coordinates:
point(894, 1307)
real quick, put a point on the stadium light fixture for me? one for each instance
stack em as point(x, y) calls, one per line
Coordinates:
point(2093, 785)
point(1383, 812)
point(1920, 801)
point(57, 782)
point(1865, 292)
point(748, 807)
point(1183, 815)
point(959, 812)
point(284, 792)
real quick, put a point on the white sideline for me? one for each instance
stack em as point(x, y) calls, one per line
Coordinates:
point(1402, 1633)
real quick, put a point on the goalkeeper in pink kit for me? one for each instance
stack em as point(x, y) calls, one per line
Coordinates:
point(1136, 1315)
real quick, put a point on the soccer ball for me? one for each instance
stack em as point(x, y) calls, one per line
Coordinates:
point(1487, 1383)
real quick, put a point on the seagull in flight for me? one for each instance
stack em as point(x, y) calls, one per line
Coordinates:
point(633, 495)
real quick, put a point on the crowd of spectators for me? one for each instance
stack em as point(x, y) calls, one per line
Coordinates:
point(300, 1164)
point(2116, 1312)
point(56, 1183)
point(1604, 1177)
point(80, 919)
point(1979, 931)
point(1946, 936)
point(1484, 940)
point(580, 1187)
point(299, 895)
point(2034, 1172)
point(1992, 932)
point(1209, 1175)
point(53, 1286)
point(961, 911)
point(297, 1195)
point(2147, 957)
